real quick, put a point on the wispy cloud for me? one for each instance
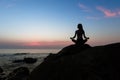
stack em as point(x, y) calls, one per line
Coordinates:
point(10, 5)
point(87, 9)
point(7, 3)
point(108, 12)
point(119, 12)
point(84, 7)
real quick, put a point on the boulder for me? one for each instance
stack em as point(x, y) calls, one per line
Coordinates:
point(27, 60)
point(79, 63)
point(2, 74)
point(1, 70)
point(30, 60)
point(20, 73)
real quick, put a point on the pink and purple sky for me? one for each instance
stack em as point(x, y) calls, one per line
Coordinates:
point(50, 23)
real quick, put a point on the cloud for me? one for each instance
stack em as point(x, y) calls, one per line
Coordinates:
point(109, 13)
point(10, 5)
point(83, 7)
point(119, 12)
point(7, 3)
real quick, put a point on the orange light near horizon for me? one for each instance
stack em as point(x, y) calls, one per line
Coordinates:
point(48, 43)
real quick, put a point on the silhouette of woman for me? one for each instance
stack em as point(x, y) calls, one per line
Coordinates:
point(81, 37)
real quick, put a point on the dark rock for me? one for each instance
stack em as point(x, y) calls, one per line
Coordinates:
point(1, 70)
point(21, 53)
point(20, 73)
point(30, 60)
point(17, 61)
point(73, 49)
point(69, 50)
point(93, 63)
point(2, 74)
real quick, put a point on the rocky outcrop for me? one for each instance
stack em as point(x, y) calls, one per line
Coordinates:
point(20, 73)
point(81, 63)
point(30, 60)
point(73, 49)
point(2, 74)
point(1, 70)
point(27, 60)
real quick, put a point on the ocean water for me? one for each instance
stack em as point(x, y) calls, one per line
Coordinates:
point(7, 56)
point(29, 51)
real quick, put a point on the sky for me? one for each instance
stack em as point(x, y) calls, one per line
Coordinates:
point(51, 23)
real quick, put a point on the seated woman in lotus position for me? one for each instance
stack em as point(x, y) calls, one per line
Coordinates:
point(80, 34)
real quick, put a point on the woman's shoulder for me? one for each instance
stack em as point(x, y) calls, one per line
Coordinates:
point(77, 31)
point(80, 31)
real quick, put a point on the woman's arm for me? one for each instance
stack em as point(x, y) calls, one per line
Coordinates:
point(85, 35)
point(75, 34)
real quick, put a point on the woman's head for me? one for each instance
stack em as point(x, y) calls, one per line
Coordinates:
point(80, 27)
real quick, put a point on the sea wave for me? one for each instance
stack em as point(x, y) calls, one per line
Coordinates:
point(6, 60)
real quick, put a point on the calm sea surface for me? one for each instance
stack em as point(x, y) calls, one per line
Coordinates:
point(29, 51)
point(7, 56)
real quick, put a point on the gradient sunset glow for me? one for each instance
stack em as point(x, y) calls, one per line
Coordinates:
point(51, 23)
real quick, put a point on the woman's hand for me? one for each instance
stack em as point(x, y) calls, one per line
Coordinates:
point(71, 38)
point(86, 37)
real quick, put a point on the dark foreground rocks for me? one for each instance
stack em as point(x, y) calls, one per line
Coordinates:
point(20, 73)
point(1, 70)
point(81, 63)
point(2, 75)
point(28, 60)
